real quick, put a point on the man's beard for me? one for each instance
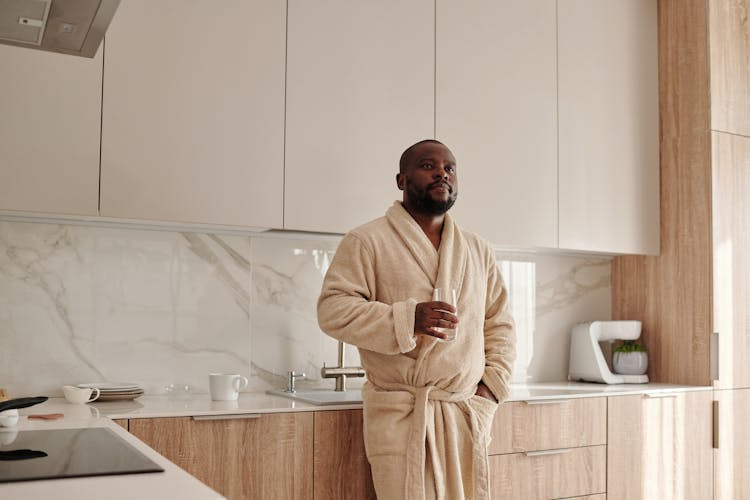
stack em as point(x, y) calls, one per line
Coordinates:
point(425, 202)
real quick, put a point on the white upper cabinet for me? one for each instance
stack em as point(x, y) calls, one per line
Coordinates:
point(50, 108)
point(192, 127)
point(496, 102)
point(360, 89)
point(608, 126)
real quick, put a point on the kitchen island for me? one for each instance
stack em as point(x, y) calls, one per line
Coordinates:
point(173, 483)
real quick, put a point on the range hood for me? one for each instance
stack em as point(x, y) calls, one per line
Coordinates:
point(73, 27)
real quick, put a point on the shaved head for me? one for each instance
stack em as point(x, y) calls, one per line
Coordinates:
point(403, 163)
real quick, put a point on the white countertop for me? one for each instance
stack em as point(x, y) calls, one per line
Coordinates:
point(173, 483)
point(254, 402)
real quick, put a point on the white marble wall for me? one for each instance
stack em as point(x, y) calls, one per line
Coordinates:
point(85, 304)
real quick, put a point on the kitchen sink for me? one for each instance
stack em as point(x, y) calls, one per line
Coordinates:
point(322, 397)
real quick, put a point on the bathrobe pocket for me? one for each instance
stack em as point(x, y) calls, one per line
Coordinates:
point(485, 410)
point(387, 422)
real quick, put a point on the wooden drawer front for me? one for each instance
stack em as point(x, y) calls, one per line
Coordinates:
point(574, 472)
point(571, 423)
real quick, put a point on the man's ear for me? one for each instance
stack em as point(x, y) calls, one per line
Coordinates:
point(400, 181)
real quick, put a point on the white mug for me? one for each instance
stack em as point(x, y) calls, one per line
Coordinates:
point(225, 386)
point(79, 395)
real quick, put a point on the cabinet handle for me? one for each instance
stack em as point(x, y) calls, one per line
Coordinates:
point(658, 395)
point(541, 453)
point(547, 401)
point(237, 416)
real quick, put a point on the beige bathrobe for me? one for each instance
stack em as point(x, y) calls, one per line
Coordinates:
point(425, 430)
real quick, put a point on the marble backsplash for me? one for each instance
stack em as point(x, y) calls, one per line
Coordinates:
point(86, 304)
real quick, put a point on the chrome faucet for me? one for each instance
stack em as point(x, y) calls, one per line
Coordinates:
point(340, 372)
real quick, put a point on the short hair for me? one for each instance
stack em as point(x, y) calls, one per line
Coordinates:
point(403, 162)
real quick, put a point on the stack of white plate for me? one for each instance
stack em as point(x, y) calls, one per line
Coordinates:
point(115, 391)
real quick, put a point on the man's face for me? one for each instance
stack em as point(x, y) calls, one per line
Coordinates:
point(429, 182)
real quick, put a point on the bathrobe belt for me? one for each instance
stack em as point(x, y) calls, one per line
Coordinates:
point(416, 455)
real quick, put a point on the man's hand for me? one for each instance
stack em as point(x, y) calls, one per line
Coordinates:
point(431, 315)
point(485, 392)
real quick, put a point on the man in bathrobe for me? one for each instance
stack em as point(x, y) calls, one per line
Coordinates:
point(428, 404)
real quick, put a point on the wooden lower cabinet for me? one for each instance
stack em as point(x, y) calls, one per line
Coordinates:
point(549, 449)
point(341, 469)
point(548, 424)
point(732, 457)
point(268, 457)
point(660, 448)
point(122, 422)
point(550, 474)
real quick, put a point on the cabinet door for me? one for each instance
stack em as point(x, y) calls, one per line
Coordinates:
point(340, 465)
point(360, 89)
point(731, 256)
point(608, 126)
point(496, 108)
point(50, 106)
point(660, 447)
point(263, 458)
point(730, 66)
point(193, 112)
point(733, 456)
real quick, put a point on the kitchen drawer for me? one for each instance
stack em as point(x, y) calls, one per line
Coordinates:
point(543, 425)
point(572, 472)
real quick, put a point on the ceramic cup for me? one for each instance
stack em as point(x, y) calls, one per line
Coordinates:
point(447, 295)
point(78, 395)
point(226, 386)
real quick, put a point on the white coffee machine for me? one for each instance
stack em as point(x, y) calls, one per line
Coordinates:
point(587, 361)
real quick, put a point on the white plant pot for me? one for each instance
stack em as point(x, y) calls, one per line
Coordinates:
point(630, 363)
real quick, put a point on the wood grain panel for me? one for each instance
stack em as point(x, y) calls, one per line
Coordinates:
point(730, 66)
point(731, 262)
point(670, 293)
point(265, 458)
point(660, 447)
point(122, 422)
point(340, 465)
point(732, 459)
point(566, 424)
point(576, 472)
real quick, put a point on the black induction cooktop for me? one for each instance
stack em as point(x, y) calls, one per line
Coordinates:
point(63, 453)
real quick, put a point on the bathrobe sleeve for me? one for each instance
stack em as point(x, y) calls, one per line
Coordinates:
point(347, 310)
point(499, 335)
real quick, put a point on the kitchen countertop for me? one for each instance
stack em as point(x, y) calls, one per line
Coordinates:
point(173, 483)
point(256, 402)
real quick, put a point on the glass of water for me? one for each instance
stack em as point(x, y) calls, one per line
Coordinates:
point(447, 295)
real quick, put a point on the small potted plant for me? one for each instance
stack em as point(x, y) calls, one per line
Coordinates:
point(630, 358)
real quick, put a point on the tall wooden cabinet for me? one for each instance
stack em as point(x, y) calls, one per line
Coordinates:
point(496, 108)
point(266, 456)
point(192, 122)
point(50, 108)
point(731, 457)
point(360, 89)
point(699, 285)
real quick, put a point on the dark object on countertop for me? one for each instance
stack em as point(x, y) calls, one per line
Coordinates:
point(14, 404)
point(21, 455)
